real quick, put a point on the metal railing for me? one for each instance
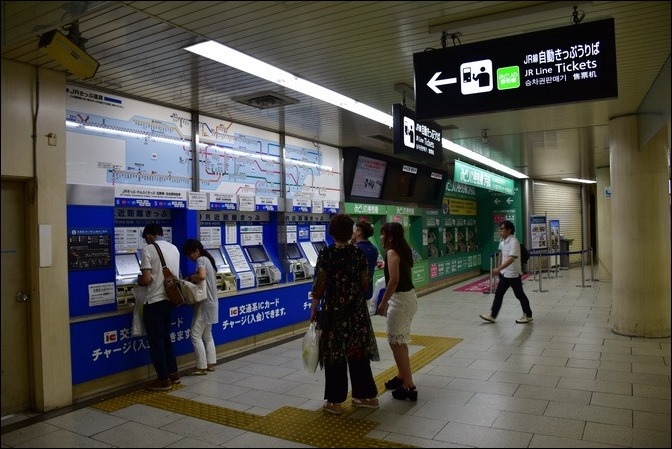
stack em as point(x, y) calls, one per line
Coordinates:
point(535, 263)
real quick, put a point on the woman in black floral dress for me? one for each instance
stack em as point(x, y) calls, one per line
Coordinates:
point(348, 342)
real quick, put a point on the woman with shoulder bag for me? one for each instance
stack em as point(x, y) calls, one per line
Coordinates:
point(206, 312)
point(348, 344)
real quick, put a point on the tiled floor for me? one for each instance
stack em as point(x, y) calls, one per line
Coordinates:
point(564, 380)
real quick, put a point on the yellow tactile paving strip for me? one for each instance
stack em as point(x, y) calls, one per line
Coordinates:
point(314, 428)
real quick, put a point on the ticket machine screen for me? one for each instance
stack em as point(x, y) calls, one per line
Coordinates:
point(318, 246)
point(216, 254)
point(128, 269)
point(256, 254)
point(127, 266)
point(293, 251)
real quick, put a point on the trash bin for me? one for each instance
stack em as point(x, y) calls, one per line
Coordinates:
point(564, 248)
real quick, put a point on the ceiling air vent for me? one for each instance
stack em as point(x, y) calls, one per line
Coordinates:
point(265, 100)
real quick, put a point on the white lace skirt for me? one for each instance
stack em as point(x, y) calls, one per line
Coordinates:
point(400, 310)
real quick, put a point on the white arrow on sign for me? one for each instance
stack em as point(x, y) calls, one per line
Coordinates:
point(496, 200)
point(509, 200)
point(437, 82)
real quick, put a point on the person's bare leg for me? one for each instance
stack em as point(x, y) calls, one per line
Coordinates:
point(400, 353)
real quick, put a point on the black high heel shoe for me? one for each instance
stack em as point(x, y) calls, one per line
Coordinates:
point(402, 394)
point(394, 383)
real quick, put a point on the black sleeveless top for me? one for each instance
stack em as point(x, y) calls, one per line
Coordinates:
point(405, 277)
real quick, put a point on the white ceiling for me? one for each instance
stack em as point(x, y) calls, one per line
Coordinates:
point(359, 49)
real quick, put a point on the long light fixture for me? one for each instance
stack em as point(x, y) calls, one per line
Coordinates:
point(581, 181)
point(233, 58)
point(119, 132)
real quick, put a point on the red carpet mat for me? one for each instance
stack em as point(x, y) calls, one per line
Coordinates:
point(482, 285)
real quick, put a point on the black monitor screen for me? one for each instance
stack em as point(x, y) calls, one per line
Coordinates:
point(400, 182)
point(318, 246)
point(293, 251)
point(256, 254)
point(429, 188)
point(219, 258)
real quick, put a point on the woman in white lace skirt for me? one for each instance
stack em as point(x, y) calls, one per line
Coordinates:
point(399, 304)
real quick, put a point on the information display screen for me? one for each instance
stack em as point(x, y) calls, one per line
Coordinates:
point(367, 181)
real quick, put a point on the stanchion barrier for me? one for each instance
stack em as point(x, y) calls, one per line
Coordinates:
point(492, 267)
point(538, 257)
point(583, 277)
point(592, 266)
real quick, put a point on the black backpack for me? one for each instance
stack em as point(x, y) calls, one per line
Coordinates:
point(524, 254)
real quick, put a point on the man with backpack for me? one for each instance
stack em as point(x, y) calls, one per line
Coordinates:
point(510, 272)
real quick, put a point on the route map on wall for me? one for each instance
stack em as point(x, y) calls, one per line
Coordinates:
point(114, 141)
point(155, 151)
point(118, 141)
point(234, 161)
point(311, 173)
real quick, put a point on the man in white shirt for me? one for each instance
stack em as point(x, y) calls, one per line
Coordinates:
point(158, 310)
point(510, 274)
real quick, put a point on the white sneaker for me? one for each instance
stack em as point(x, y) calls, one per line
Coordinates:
point(524, 319)
point(488, 318)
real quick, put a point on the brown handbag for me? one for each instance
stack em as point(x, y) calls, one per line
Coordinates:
point(170, 282)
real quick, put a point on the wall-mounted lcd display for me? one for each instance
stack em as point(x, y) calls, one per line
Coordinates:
point(560, 65)
point(293, 251)
point(367, 179)
point(430, 186)
point(399, 182)
point(256, 254)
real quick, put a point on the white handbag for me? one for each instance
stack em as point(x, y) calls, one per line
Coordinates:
point(193, 293)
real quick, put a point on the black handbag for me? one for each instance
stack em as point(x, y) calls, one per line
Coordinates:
point(323, 319)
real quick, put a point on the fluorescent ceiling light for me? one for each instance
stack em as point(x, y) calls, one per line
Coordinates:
point(233, 58)
point(582, 181)
point(117, 132)
point(455, 148)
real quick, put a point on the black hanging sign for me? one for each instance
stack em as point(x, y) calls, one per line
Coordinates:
point(560, 65)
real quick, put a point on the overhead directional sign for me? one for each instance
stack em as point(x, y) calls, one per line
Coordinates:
point(415, 139)
point(477, 177)
point(560, 65)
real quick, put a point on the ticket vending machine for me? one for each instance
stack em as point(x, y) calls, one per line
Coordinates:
point(264, 271)
point(299, 267)
point(226, 281)
point(127, 268)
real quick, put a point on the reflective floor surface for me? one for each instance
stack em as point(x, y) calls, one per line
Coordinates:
point(563, 380)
